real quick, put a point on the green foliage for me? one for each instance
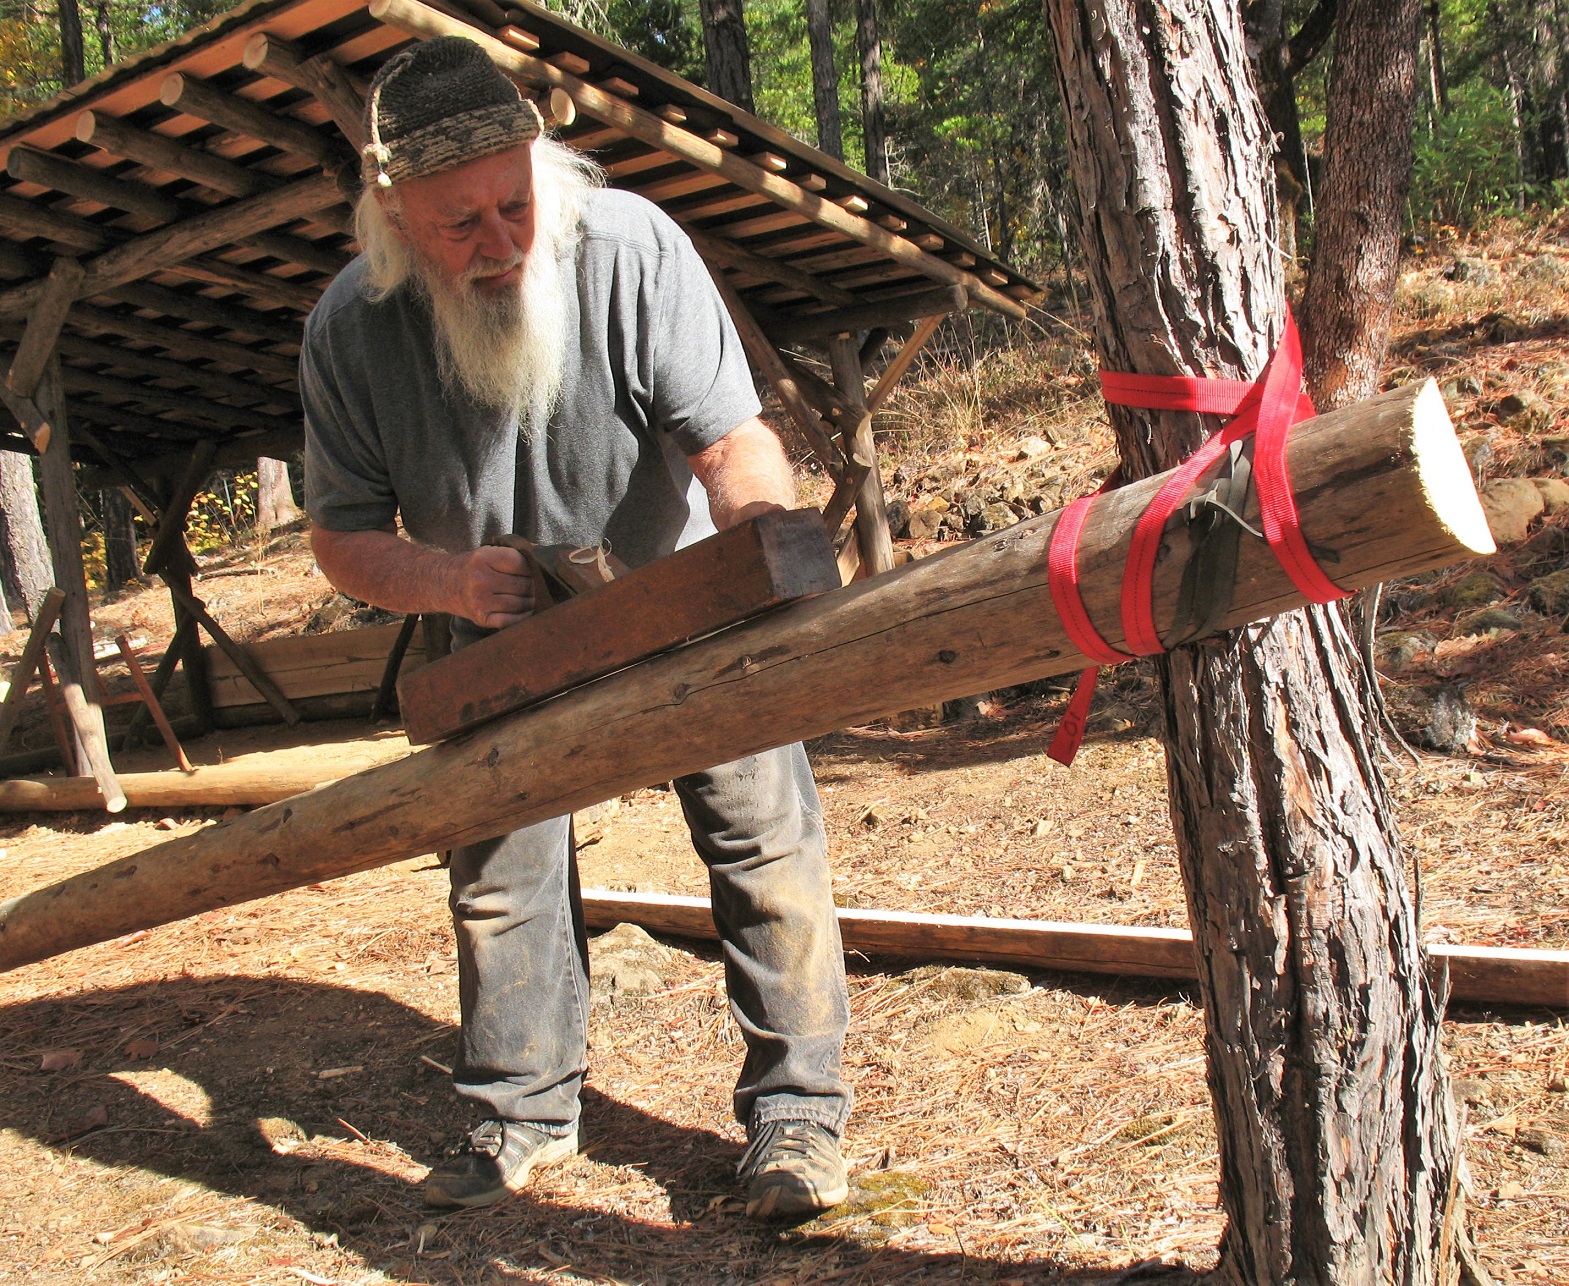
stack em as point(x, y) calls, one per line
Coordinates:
point(1465, 164)
point(661, 31)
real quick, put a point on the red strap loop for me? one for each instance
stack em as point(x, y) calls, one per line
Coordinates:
point(1267, 408)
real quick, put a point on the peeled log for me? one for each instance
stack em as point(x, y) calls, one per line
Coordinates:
point(1382, 487)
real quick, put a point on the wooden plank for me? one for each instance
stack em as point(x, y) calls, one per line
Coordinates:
point(736, 574)
point(1478, 975)
point(27, 665)
point(1383, 487)
point(311, 665)
point(422, 20)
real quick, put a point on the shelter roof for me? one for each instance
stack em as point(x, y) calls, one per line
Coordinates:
point(204, 187)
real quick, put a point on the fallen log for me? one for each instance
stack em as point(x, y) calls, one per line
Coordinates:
point(1477, 975)
point(1383, 488)
point(211, 786)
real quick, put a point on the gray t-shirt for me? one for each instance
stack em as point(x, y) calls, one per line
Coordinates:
point(655, 373)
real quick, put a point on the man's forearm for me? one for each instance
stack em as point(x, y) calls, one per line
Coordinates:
point(385, 570)
point(745, 473)
point(489, 586)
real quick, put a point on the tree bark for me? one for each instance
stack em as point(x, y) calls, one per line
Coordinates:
point(1338, 1142)
point(105, 32)
point(25, 553)
point(120, 563)
point(1362, 199)
point(874, 121)
point(726, 51)
point(274, 497)
point(73, 55)
point(825, 80)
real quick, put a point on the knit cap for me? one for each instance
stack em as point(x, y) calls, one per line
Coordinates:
point(437, 104)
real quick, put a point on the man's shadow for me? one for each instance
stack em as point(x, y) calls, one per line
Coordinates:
point(267, 1088)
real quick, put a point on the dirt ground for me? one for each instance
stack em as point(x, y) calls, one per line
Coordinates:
point(252, 1096)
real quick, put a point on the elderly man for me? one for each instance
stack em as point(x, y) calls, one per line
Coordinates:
point(521, 351)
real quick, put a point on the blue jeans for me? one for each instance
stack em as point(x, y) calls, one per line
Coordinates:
point(523, 955)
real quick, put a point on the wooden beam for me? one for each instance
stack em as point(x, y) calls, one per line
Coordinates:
point(239, 451)
point(185, 344)
point(320, 77)
point(151, 703)
point(273, 291)
point(257, 676)
point(27, 666)
point(211, 383)
point(197, 98)
point(790, 328)
point(88, 721)
point(209, 312)
point(871, 507)
point(163, 249)
point(192, 404)
point(90, 184)
point(726, 254)
point(1477, 975)
point(1383, 489)
point(123, 423)
point(299, 250)
point(114, 136)
point(421, 20)
point(169, 537)
point(208, 786)
point(35, 219)
point(761, 351)
point(63, 526)
point(43, 332)
point(894, 371)
point(749, 568)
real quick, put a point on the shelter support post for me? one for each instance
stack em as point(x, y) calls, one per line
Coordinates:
point(871, 508)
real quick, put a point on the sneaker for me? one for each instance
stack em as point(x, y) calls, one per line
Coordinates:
point(792, 1169)
point(494, 1161)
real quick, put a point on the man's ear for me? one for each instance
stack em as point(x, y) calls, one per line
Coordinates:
point(391, 204)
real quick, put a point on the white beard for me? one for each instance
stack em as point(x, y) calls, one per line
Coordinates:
point(506, 351)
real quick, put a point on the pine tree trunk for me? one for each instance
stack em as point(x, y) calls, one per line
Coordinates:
point(1361, 199)
point(1338, 1140)
point(119, 539)
point(24, 551)
point(73, 53)
point(825, 80)
point(726, 51)
point(274, 497)
point(105, 33)
point(874, 126)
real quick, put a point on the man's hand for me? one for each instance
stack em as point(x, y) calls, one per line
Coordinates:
point(489, 586)
point(745, 474)
point(494, 586)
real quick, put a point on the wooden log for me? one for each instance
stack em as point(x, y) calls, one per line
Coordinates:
point(197, 98)
point(65, 744)
point(163, 249)
point(761, 351)
point(209, 786)
point(298, 250)
point(320, 77)
point(262, 287)
point(209, 312)
point(35, 219)
point(184, 344)
point(871, 506)
point(88, 721)
point(63, 526)
point(27, 665)
point(212, 383)
point(1477, 975)
point(40, 339)
point(171, 156)
point(387, 688)
point(423, 21)
point(1384, 491)
point(235, 452)
point(172, 515)
point(151, 704)
point(894, 372)
point(749, 568)
point(791, 329)
point(727, 254)
point(90, 184)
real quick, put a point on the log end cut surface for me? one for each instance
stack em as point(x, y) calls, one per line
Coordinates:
point(1445, 474)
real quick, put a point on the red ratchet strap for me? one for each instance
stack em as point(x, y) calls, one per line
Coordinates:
point(1266, 408)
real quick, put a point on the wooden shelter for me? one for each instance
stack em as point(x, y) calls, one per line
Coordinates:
point(168, 224)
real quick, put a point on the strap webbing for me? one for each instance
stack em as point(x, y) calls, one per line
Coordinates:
point(1266, 408)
